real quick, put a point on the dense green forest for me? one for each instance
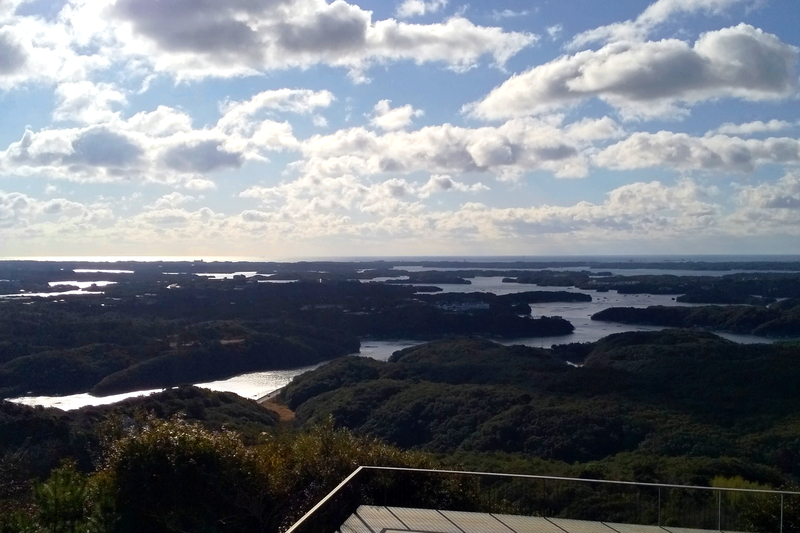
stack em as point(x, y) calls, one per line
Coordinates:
point(674, 393)
point(135, 468)
point(677, 406)
point(780, 319)
point(187, 356)
point(752, 289)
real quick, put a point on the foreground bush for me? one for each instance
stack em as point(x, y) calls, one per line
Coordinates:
point(172, 475)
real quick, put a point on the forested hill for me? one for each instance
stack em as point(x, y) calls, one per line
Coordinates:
point(104, 368)
point(667, 393)
point(780, 319)
point(35, 440)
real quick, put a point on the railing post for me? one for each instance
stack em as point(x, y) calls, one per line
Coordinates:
point(781, 512)
point(659, 506)
point(719, 510)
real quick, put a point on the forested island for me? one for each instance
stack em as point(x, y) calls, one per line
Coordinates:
point(780, 319)
point(677, 406)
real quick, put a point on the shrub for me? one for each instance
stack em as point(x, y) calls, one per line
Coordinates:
point(171, 475)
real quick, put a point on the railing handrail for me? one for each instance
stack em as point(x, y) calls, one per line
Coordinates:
point(556, 478)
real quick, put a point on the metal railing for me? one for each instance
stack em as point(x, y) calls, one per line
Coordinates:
point(685, 506)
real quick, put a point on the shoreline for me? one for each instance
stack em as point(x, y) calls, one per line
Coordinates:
point(269, 396)
point(285, 415)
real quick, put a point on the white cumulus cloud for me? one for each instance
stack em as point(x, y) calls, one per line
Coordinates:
point(506, 151)
point(509, 13)
point(684, 152)
point(656, 13)
point(193, 40)
point(389, 119)
point(655, 78)
point(783, 194)
point(413, 8)
point(442, 183)
point(157, 146)
point(19, 211)
point(554, 31)
point(87, 102)
point(170, 201)
point(750, 128)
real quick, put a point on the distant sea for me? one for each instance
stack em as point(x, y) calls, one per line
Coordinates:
point(455, 258)
point(574, 258)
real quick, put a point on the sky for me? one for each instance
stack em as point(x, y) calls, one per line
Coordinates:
point(307, 128)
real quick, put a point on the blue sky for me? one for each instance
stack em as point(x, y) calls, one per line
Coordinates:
point(308, 128)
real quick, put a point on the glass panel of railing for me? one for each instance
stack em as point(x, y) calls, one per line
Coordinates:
point(760, 512)
point(421, 489)
point(333, 510)
point(576, 499)
point(689, 508)
point(791, 513)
